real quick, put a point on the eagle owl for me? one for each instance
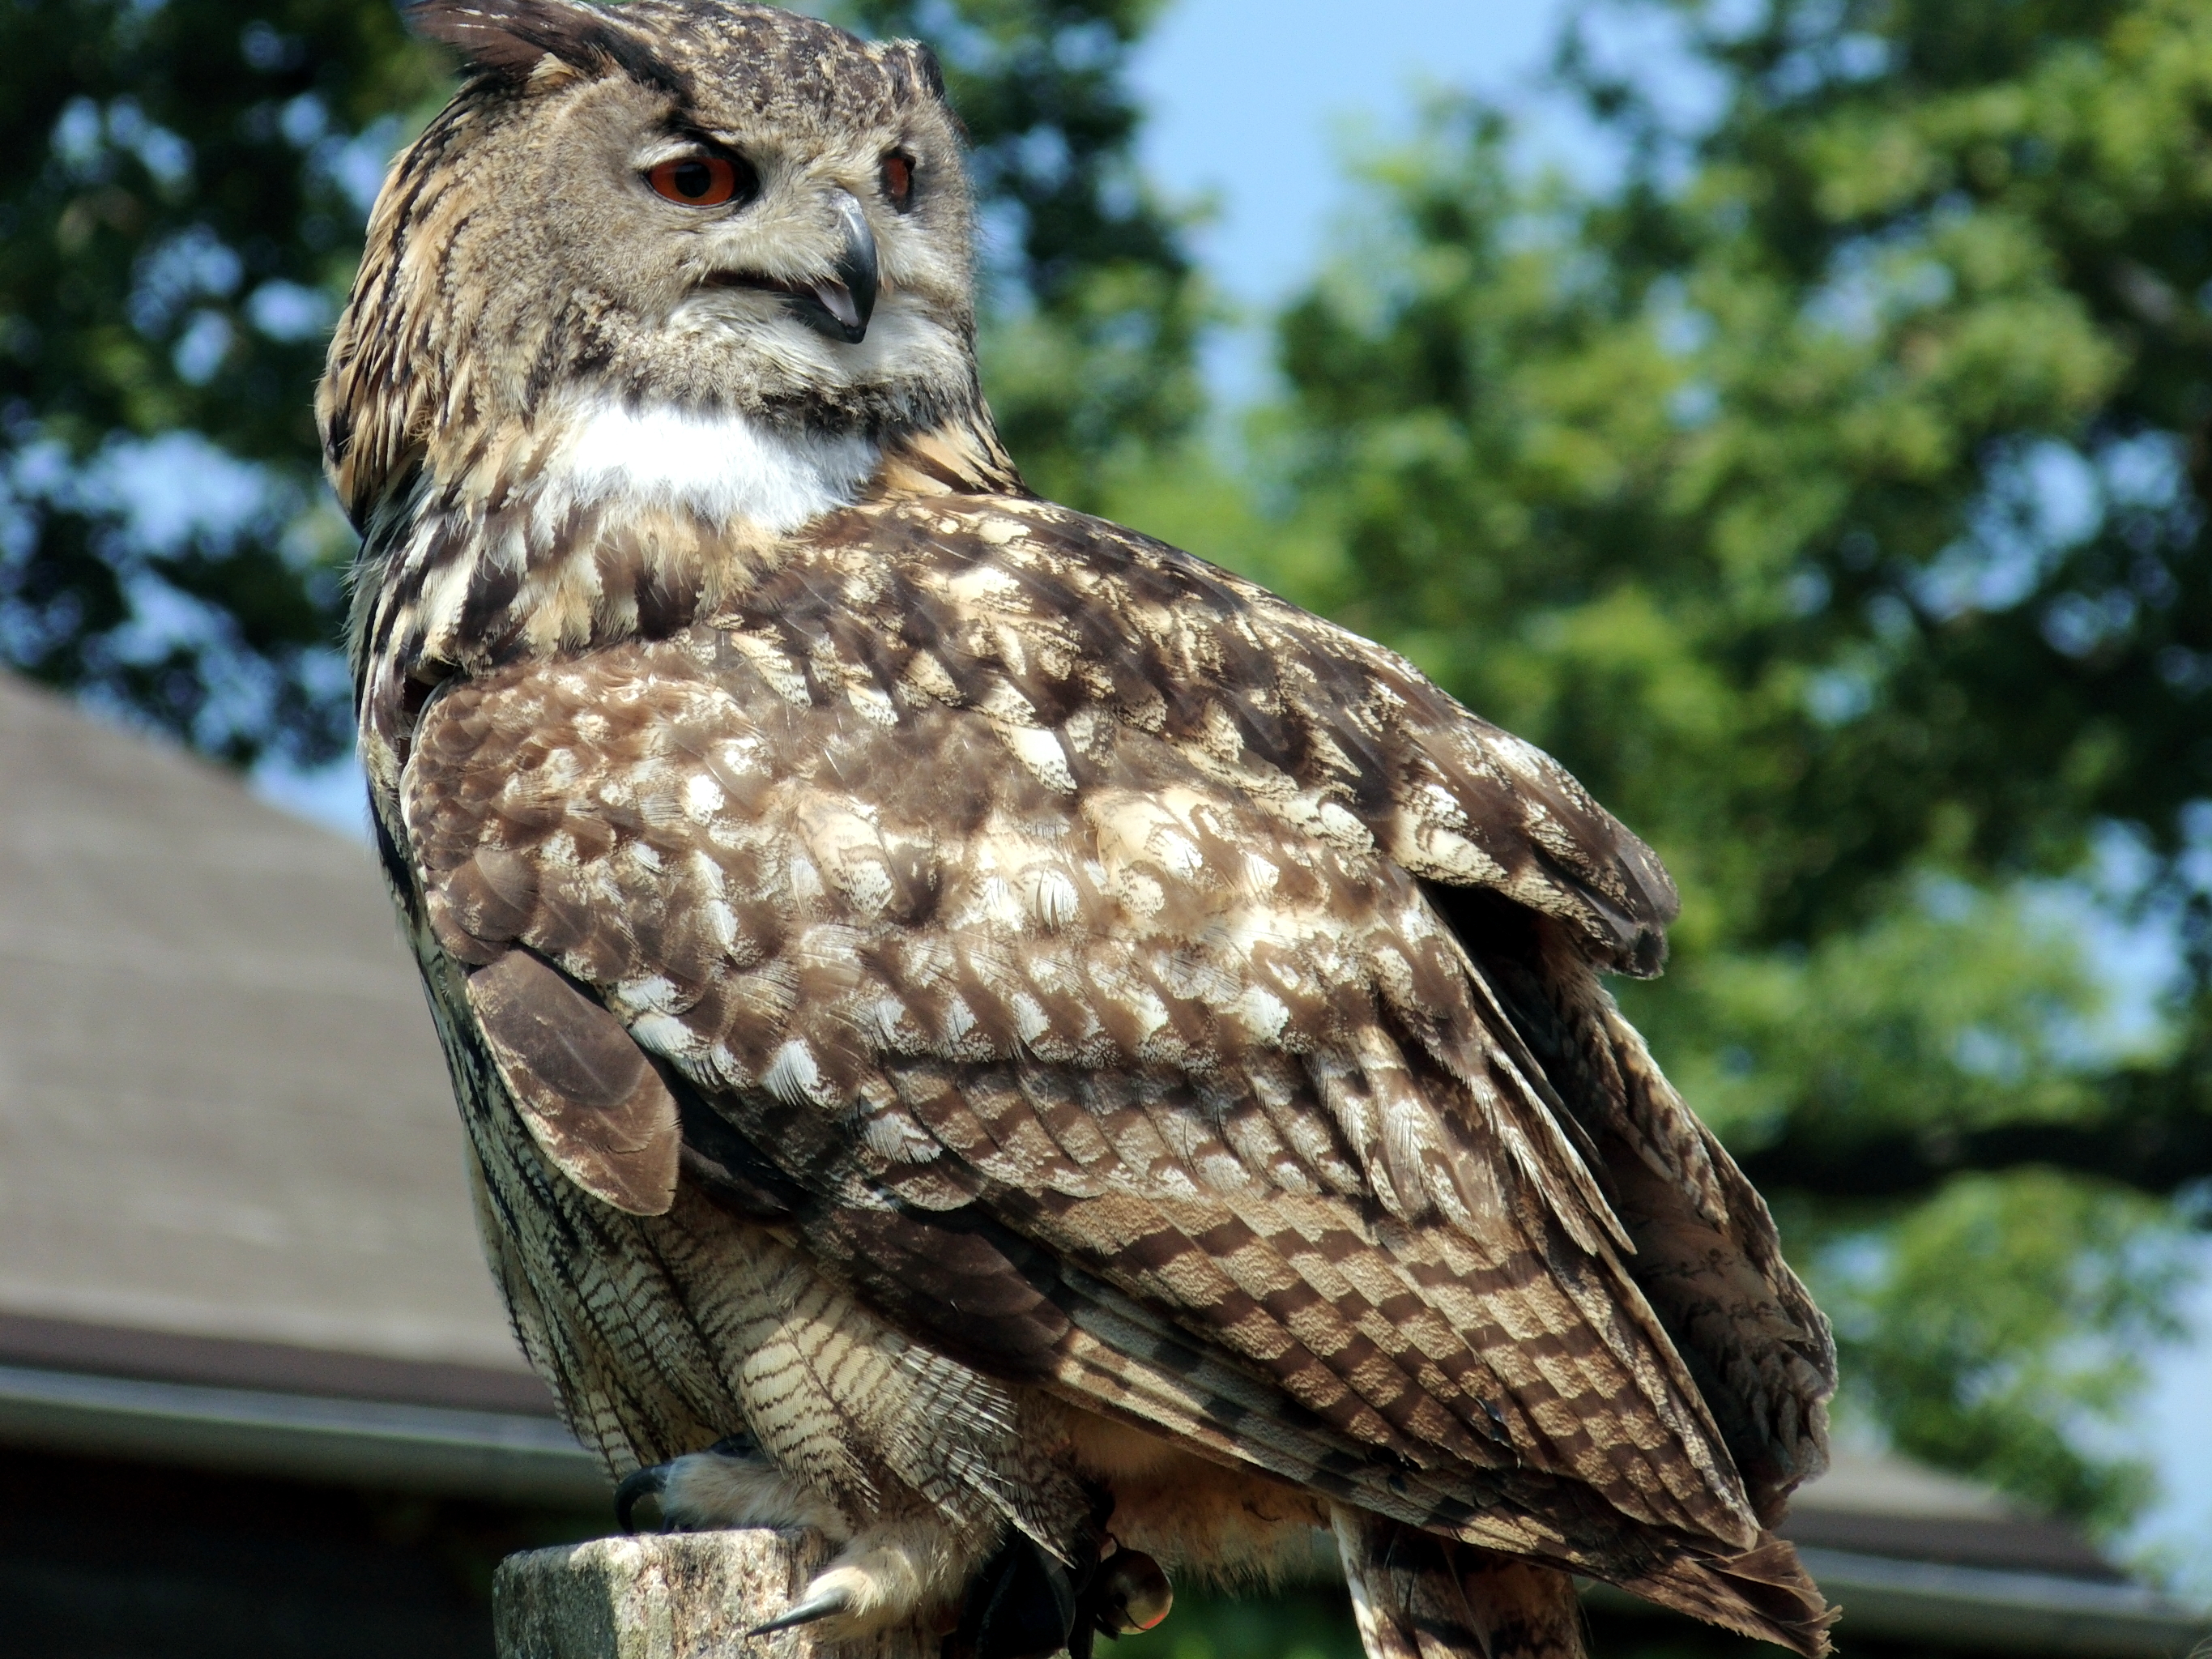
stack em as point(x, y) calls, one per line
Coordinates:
point(979, 1032)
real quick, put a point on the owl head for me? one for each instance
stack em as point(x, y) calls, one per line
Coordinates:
point(718, 208)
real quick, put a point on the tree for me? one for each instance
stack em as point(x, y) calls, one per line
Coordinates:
point(1829, 494)
point(182, 188)
point(181, 185)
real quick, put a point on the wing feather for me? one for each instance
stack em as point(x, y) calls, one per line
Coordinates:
point(1088, 1081)
point(1039, 915)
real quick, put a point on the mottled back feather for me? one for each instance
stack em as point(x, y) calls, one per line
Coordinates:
point(1018, 898)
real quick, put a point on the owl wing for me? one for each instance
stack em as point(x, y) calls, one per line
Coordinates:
point(1044, 615)
point(1017, 937)
point(1045, 619)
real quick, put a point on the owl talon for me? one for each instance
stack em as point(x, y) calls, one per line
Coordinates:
point(828, 1605)
point(728, 1485)
point(652, 1481)
point(636, 1486)
point(1127, 1594)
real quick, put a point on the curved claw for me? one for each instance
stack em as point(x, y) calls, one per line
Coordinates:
point(638, 1483)
point(827, 1604)
point(1129, 1595)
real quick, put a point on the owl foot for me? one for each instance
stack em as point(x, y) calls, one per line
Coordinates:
point(1021, 1604)
point(1025, 1605)
point(895, 1572)
point(731, 1483)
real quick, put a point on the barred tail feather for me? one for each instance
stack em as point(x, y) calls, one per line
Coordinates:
point(1416, 1596)
point(1765, 1593)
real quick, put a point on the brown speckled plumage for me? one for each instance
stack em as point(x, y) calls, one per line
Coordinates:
point(1025, 1024)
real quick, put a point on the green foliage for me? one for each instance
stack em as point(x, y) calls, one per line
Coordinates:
point(1829, 494)
point(181, 186)
point(1949, 1013)
point(1099, 381)
point(1963, 1325)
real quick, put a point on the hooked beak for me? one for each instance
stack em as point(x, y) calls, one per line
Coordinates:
point(840, 305)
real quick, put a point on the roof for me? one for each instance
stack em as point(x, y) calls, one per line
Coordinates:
point(235, 1229)
point(1915, 1554)
point(231, 1174)
point(222, 1112)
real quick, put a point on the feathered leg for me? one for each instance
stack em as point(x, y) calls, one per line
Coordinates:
point(1416, 1596)
point(1405, 1596)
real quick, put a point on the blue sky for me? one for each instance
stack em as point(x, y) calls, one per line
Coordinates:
point(1250, 103)
point(1255, 108)
point(1258, 108)
point(1255, 105)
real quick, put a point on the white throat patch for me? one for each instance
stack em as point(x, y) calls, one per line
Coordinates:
point(725, 467)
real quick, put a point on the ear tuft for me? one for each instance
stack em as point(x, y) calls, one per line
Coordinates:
point(913, 65)
point(505, 38)
point(510, 39)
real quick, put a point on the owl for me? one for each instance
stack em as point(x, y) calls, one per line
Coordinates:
point(979, 1033)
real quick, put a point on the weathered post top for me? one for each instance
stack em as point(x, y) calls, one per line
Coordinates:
point(672, 1595)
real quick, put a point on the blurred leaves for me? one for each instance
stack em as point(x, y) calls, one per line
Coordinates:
point(181, 189)
point(1992, 1323)
point(1938, 1017)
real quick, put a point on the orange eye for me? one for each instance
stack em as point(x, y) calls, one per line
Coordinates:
point(697, 181)
point(898, 179)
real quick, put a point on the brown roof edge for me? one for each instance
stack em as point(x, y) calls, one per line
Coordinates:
point(1971, 1609)
point(276, 1367)
point(2005, 1544)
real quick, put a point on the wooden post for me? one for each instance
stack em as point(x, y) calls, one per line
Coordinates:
point(671, 1595)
